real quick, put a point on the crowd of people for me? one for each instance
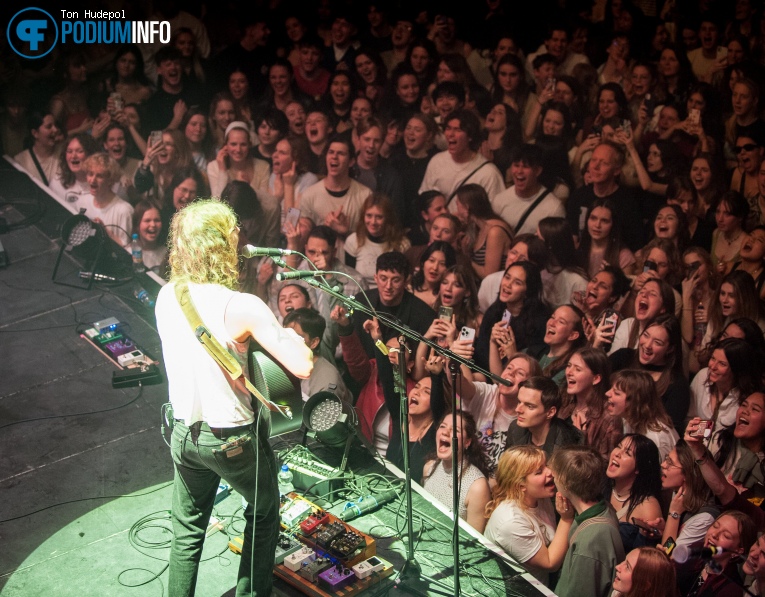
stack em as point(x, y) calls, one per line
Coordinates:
point(584, 218)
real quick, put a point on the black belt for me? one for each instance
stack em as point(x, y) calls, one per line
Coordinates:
point(219, 432)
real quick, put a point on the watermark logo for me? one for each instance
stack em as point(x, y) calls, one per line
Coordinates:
point(32, 33)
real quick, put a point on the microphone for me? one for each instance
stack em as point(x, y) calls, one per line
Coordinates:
point(368, 503)
point(250, 251)
point(302, 274)
point(683, 553)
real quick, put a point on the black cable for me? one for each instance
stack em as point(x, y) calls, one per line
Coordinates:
point(30, 220)
point(100, 497)
point(82, 414)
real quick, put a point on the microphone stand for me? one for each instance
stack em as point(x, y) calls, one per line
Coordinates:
point(410, 576)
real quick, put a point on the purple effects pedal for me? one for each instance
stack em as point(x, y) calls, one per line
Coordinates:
point(335, 578)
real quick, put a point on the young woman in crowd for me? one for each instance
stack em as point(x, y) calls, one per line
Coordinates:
point(730, 212)
point(588, 372)
point(222, 113)
point(435, 260)
point(474, 487)
point(698, 291)
point(525, 247)
point(289, 174)
point(563, 276)
point(159, 165)
point(489, 236)
point(658, 260)
point(709, 182)
point(458, 291)
point(675, 74)
point(520, 295)
point(633, 468)
point(419, 134)
point(633, 397)
point(736, 297)
point(598, 303)
point(601, 240)
point(645, 572)
point(102, 205)
point(745, 104)
point(752, 256)
point(281, 89)
point(670, 224)
point(71, 105)
point(70, 182)
point(521, 516)
point(510, 85)
point(681, 192)
point(660, 354)
point(654, 298)
point(194, 128)
point(185, 41)
point(127, 77)
point(422, 56)
point(734, 532)
point(503, 134)
point(377, 232)
point(731, 375)
point(691, 509)
point(338, 99)
point(239, 88)
point(186, 186)
point(40, 160)
point(563, 336)
point(272, 126)
point(147, 223)
point(371, 75)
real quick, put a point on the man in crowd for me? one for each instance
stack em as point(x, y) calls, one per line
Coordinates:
point(527, 202)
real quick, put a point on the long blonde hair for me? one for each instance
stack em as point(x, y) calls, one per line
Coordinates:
point(513, 467)
point(203, 244)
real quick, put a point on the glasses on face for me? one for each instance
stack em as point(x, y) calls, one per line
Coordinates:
point(748, 147)
point(669, 464)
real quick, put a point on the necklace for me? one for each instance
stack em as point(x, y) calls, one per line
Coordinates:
point(618, 497)
point(734, 239)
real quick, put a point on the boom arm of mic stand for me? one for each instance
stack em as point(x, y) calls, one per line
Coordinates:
point(354, 305)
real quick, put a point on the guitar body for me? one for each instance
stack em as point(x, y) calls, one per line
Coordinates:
point(277, 385)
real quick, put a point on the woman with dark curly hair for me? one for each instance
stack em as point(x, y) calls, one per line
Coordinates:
point(437, 473)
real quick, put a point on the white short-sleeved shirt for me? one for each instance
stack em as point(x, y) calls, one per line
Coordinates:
point(199, 389)
point(521, 533)
point(117, 216)
point(445, 175)
point(492, 422)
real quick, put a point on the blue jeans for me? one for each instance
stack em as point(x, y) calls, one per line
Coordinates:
point(250, 469)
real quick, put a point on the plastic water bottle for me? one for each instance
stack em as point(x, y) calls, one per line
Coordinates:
point(284, 479)
point(143, 296)
point(137, 251)
point(699, 328)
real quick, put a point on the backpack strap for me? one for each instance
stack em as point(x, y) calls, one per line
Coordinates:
point(529, 210)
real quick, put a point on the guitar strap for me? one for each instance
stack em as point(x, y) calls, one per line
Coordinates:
point(530, 209)
point(39, 167)
point(216, 350)
point(464, 180)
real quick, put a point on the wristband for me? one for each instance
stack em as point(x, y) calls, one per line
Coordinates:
point(702, 460)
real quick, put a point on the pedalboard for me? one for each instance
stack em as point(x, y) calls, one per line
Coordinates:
point(369, 567)
point(314, 521)
point(286, 545)
point(335, 578)
point(295, 561)
point(311, 570)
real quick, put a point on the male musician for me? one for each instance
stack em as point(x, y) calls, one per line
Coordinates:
point(219, 431)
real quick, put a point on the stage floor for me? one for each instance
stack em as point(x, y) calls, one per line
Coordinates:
point(85, 474)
